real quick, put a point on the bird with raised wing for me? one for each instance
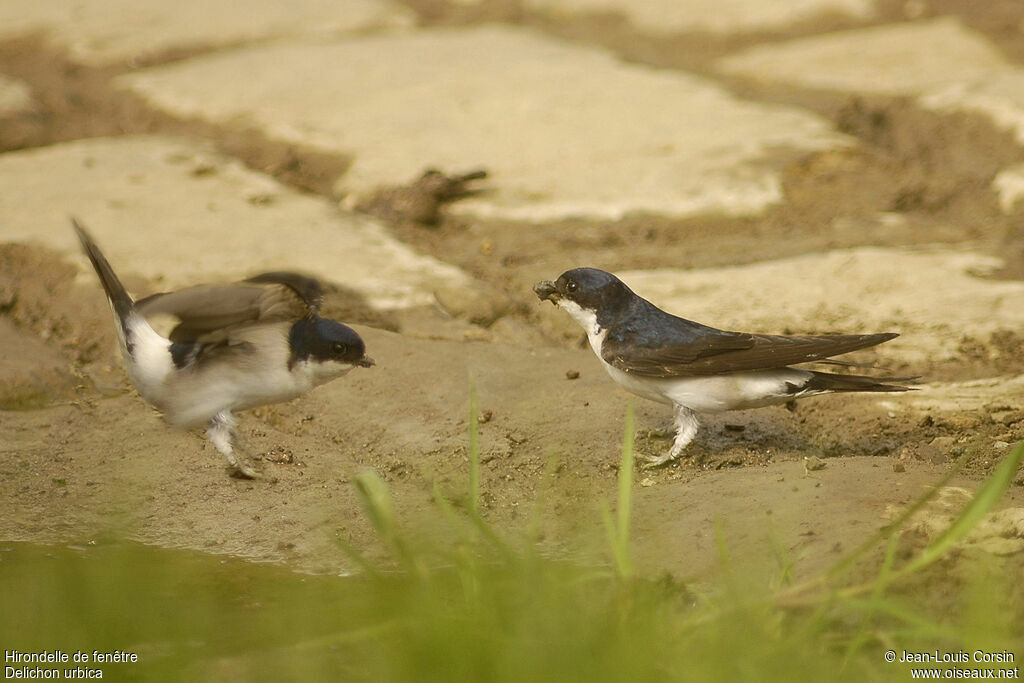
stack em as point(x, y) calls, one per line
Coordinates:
point(232, 347)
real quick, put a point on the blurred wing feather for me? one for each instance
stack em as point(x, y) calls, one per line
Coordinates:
point(209, 313)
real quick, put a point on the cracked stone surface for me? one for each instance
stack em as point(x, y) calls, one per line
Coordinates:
point(98, 33)
point(717, 16)
point(931, 296)
point(999, 94)
point(944, 65)
point(893, 59)
point(547, 120)
point(1009, 185)
point(174, 212)
point(15, 96)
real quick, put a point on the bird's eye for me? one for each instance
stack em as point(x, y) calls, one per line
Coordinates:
point(338, 348)
point(571, 286)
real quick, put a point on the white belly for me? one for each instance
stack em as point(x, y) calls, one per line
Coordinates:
point(150, 363)
point(735, 391)
point(194, 398)
point(235, 382)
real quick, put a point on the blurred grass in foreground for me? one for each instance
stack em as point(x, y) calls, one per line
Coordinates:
point(490, 608)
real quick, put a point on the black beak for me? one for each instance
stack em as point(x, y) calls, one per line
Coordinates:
point(546, 291)
point(365, 362)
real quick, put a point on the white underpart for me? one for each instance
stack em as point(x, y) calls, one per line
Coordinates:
point(587, 320)
point(713, 393)
point(689, 395)
point(717, 393)
point(230, 386)
point(150, 363)
point(195, 395)
point(207, 394)
point(221, 434)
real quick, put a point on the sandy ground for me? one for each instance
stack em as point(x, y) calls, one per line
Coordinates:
point(81, 453)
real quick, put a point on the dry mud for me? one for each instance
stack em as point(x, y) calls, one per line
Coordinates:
point(81, 453)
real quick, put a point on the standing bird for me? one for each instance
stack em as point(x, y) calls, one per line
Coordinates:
point(694, 367)
point(234, 347)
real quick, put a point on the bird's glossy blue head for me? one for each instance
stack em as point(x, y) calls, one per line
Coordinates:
point(322, 340)
point(591, 289)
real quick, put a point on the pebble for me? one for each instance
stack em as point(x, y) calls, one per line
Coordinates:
point(813, 463)
point(938, 449)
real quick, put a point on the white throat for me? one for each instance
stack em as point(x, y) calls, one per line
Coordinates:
point(317, 373)
point(588, 321)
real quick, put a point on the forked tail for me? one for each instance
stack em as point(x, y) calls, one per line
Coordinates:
point(120, 301)
point(824, 381)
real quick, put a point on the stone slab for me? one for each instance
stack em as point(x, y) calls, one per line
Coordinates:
point(715, 16)
point(895, 59)
point(30, 384)
point(564, 130)
point(754, 511)
point(945, 65)
point(1009, 186)
point(999, 94)
point(15, 96)
point(101, 32)
point(997, 533)
point(177, 214)
point(968, 396)
point(932, 297)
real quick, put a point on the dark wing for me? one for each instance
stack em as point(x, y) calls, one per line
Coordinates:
point(308, 289)
point(238, 346)
point(208, 313)
point(715, 351)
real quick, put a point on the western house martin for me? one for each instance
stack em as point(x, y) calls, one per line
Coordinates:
point(697, 368)
point(232, 347)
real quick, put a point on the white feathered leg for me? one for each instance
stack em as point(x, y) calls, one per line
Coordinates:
point(221, 434)
point(686, 424)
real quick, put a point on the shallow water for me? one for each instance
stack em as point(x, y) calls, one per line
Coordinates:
point(175, 612)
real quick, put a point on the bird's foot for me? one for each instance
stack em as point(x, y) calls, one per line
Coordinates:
point(221, 434)
point(239, 470)
point(683, 429)
point(654, 461)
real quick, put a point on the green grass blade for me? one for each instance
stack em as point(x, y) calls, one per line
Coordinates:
point(474, 451)
point(379, 507)
point(538, 508)
point(613, 538)
point(376, 500)
point(862, 635)
point(617, 527)
point(357, 558)
point(626, 476)
point(983, 501)
point(797, 593)
point(889, 529)
point(625, 502)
